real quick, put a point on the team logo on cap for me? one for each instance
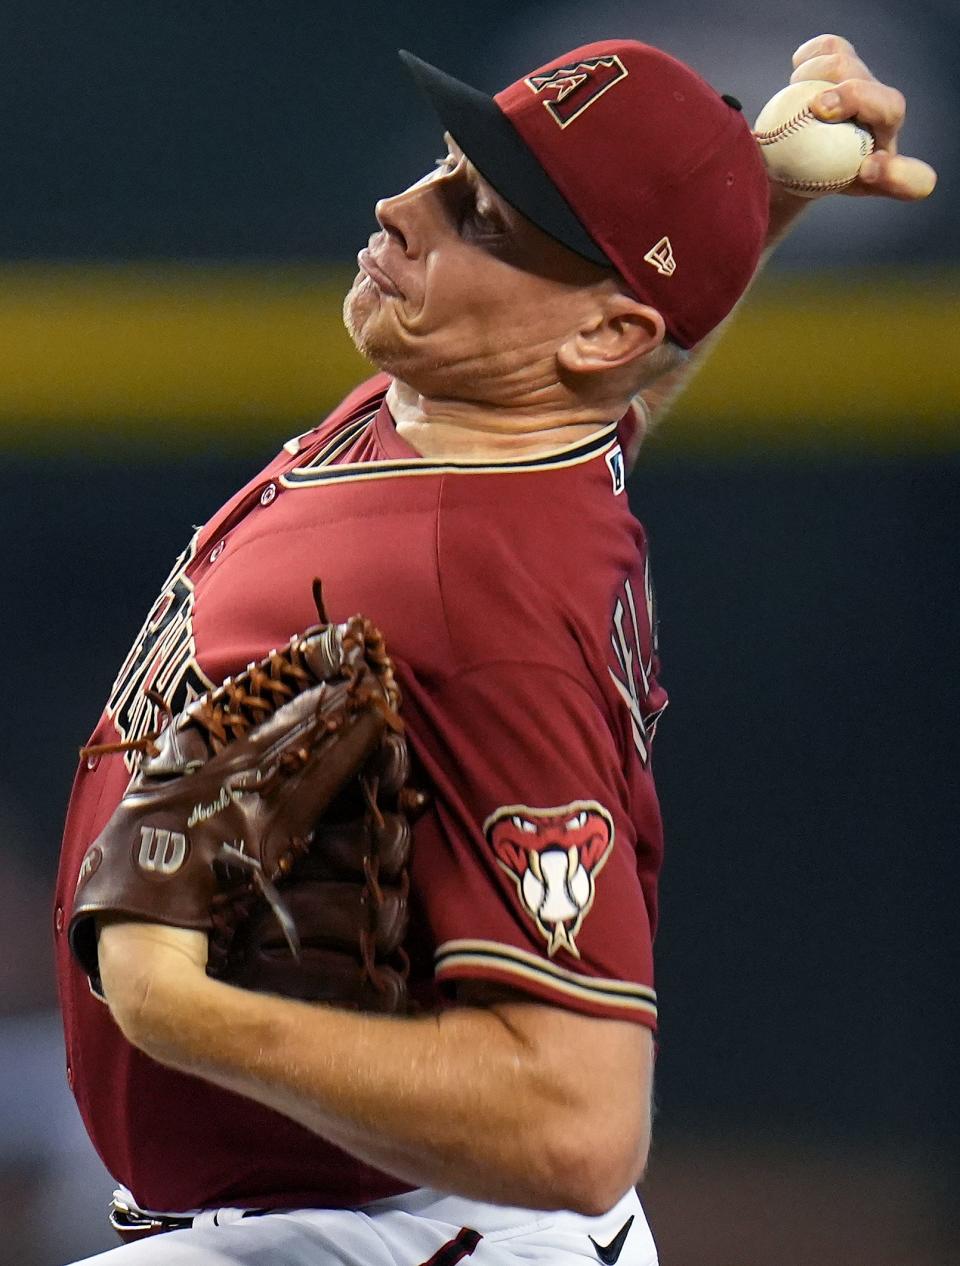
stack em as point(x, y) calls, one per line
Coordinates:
point(661, 257)
point(553, 856)
point(569, 90)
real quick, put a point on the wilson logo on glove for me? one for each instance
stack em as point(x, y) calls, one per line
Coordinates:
point(201, 812)
point(161, 852)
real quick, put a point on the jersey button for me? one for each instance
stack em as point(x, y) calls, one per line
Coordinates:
point(58, 921)
point(70, 1076)
point(217, 550)
point(268, 494)
point(93, 761)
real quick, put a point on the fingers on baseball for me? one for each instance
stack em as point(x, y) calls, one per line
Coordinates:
point(897, 176)
point(877, 106)
point(823, 45)
point(832, 66)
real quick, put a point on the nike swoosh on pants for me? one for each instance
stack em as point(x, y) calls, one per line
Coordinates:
point(608, 1253)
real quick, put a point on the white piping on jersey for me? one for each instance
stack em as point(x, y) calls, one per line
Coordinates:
point(320, 471)
point(508, 960)
point(339, 441)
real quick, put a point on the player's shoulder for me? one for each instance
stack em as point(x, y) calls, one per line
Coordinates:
point(554, 513)
point(526, 564)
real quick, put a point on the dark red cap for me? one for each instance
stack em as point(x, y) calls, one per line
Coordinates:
point(629, 158)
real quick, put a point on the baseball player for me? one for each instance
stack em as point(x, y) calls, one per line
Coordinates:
point(531, 304)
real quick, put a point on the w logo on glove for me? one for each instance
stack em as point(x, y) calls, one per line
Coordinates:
point(161, 852)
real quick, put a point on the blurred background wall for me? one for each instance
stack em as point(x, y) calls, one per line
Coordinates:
point(184, 188)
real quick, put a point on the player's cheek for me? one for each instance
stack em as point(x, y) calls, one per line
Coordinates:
point(430, 313)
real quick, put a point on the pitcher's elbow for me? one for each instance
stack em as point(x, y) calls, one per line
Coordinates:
point(595, 1174)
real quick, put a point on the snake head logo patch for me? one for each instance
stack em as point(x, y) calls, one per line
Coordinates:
point(553, 856)
point(566, 91)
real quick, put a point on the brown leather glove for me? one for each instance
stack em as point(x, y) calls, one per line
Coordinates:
point(271, 813)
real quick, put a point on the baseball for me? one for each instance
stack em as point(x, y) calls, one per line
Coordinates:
point(804, 154)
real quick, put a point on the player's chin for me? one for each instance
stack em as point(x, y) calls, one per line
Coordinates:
point(371, 331)
point(361, 295)
point(360, 306)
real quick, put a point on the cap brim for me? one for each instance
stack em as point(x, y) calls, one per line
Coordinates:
point(498, 152)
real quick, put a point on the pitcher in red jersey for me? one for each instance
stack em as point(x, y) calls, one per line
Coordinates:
point(532, 303)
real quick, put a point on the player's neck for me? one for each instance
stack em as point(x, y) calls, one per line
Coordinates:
point(468, 430)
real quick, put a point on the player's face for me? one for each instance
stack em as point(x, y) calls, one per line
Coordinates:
point(459, 296)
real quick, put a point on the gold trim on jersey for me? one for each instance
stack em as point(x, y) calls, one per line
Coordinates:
point(319, 470)
point(340, 440)
point(507, 959)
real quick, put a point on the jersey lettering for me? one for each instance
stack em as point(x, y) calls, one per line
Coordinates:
point(162, 659)
point(634, 643)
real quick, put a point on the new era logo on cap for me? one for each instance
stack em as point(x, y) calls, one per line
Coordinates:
point(569, 90)
point(661, 257)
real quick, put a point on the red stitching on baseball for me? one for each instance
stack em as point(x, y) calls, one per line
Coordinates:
point(798, 121)
point(823, 186)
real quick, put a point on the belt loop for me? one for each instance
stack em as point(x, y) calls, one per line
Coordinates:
point(226, 1217)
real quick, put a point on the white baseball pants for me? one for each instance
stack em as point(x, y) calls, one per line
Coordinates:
point(421, 1228)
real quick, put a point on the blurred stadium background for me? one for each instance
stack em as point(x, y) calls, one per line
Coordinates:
point(185, 187)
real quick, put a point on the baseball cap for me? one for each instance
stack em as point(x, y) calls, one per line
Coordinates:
point(629, 158)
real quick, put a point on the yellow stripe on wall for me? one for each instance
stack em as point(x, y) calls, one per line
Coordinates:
point(214, 349)
point(870, 360)
point(182, 354)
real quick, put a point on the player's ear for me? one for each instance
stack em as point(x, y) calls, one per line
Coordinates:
point(619, 331)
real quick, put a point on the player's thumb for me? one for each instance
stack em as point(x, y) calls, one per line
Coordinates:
point(897, 176)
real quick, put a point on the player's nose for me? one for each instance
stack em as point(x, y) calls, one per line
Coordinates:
point(389, 221)
point(406, 216)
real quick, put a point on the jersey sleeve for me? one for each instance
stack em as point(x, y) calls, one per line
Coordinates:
point(536, 866)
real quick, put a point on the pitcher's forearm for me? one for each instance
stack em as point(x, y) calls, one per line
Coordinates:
point(463, 1100)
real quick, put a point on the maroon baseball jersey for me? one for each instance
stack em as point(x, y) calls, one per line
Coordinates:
point(516, 600)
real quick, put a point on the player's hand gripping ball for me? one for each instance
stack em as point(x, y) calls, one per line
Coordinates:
point(804, 154)
point(271, 813)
